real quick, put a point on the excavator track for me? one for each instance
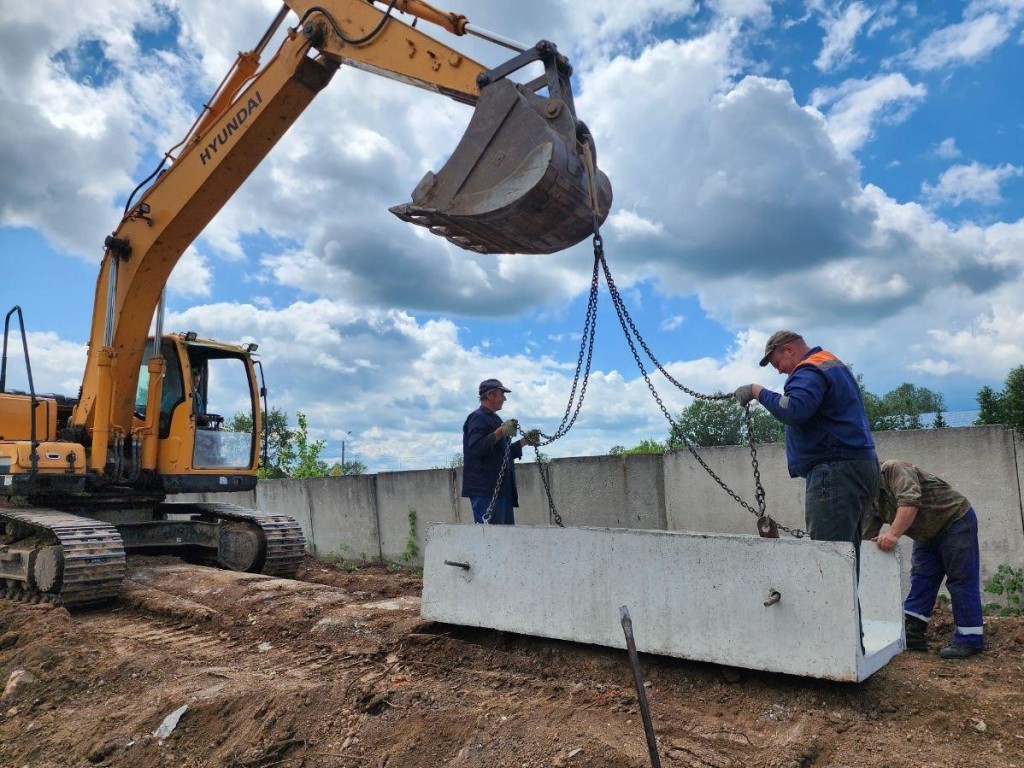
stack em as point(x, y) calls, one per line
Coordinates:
point(285, 543)
point(87, 569)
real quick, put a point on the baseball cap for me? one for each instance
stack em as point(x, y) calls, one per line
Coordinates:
point(776, 340)
point(488, 384)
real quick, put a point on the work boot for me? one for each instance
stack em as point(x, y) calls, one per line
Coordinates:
point(914, 628)
point(960, 651)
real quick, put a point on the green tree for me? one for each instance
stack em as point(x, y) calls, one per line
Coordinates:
point(721, 422)
point(453, 463)
point(304, 457)
point(872, 406)
point(279, 438)
point(767, 429)
point(901, 408)
point(348, 468)
point(940, 421)
point(904, 406)
point(1006, 407)
point(990, 404)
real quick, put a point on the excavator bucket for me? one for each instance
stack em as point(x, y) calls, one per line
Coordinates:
point(518, 181)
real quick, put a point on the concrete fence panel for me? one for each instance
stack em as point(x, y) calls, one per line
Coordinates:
point(343, 512)
point(288, 496)
point(696, 502)
point(609, 491)
point(429, 494)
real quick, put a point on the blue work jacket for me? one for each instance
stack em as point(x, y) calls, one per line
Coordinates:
point(823, 412)
point(482, 457)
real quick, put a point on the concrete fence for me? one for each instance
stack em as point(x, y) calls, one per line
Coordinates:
point(385, 516)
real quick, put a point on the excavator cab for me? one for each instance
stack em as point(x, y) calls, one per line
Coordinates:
point(524, 177)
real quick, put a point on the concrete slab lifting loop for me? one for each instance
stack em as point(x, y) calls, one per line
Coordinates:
point(773, 597)
point(767, 528)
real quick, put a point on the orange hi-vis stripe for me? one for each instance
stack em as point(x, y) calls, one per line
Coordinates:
point(818, 358)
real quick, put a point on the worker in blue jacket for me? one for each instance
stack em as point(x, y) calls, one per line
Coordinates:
point(488, 450)
point(828, 441)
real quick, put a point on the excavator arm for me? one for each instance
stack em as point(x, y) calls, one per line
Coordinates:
point(521, 180)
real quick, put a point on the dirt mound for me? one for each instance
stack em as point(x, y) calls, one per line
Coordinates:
point(338, 669)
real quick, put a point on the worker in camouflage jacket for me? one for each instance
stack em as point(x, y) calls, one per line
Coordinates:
point(944, 528)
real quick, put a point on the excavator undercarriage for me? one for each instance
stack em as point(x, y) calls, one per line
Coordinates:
point(76, 560)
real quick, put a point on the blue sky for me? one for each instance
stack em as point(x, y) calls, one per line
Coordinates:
point(851, 170)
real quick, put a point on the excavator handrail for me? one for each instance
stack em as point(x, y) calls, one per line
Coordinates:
point(33, 400)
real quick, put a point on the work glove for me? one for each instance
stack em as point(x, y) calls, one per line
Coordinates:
point(744, 394)
point(509, 427)
point(533, 437)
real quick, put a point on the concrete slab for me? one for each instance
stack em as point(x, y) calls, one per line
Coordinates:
point(692, 596)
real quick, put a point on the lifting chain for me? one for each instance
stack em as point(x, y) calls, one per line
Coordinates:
point(501, 477)
point(541, 466)
point(767, 527)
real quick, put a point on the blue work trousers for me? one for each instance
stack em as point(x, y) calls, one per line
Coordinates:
point(952, 555)
point(502, 513)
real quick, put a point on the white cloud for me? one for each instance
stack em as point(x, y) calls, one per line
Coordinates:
point(934, 367)
point(962, 43)
point(970, 183)
point(855, 107)
point(947, 149)
point(672, 323)
point(629, 225)
point(606, 20)
point(841, 31)
point(754, 10)
point(192, 276)
point(57, 365)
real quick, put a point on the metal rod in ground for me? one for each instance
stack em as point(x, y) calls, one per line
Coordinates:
point(641, 694)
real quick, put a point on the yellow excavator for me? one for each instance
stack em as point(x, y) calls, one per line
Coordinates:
point(85, 479)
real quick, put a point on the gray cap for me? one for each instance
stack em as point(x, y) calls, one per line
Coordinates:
point(488, 384)
point(778, 339)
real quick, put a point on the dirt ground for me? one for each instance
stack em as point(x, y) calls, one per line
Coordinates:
point(337, 669)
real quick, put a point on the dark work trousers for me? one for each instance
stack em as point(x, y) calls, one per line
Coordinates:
point(501, 514)
point(952, 555)
point(838, 495)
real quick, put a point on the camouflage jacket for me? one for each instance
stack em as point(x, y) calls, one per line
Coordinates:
point(903, 485)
